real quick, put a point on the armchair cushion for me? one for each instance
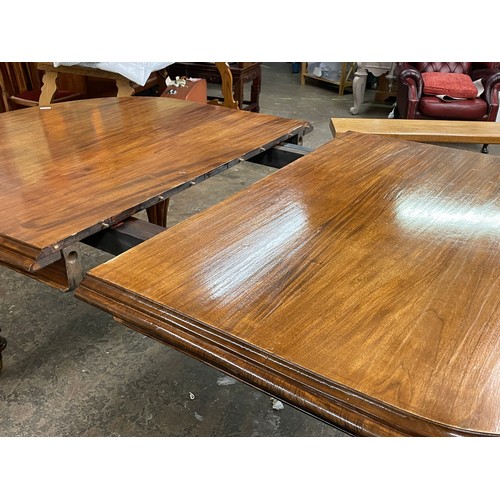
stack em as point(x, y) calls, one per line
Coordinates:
point(466, 109)
point(457, 85)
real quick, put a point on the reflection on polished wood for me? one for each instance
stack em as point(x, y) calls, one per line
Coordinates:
point(360, 284)
point(76, 168)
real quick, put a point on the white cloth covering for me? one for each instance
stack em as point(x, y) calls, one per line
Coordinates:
point(138, 72)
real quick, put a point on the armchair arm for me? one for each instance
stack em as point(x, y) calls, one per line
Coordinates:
point(491, 90)
point(413, 77)
point(410, 85)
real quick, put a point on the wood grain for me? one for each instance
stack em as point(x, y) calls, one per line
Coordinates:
point(467, 132)
point(360, 283)
point(72, 169)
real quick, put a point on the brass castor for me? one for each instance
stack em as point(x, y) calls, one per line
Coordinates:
point(3, 345)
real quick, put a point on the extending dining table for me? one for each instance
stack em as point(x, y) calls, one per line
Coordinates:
point(75, 173)
point(360, 284)
point(72, 170)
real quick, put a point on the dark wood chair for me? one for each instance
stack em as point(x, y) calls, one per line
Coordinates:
point(197, 90)
point(241, 74)
point(20, 86)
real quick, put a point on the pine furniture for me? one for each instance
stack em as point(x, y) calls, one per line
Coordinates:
point(446, 131)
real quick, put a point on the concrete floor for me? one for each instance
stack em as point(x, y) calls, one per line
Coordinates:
point(71, 370)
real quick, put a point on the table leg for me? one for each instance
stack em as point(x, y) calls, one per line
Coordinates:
point(125, 88)
point(49, 88)
point(239, 88)
point(255, 93)
point(3, 344)
point(157, 214)
point(484, 149)
point(73, 264)
point(358, 89)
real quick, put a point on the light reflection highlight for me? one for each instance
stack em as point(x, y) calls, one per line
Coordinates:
point(250, 258)
point(433, 213)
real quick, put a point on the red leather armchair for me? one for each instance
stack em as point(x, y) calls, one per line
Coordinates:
point(412, 103)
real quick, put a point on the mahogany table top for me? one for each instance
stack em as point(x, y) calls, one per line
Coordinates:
point(360, 283)
point(71, 169)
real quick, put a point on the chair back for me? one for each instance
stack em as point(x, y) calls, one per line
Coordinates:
point(16, 78)
point(444, 67)
point(227, 85)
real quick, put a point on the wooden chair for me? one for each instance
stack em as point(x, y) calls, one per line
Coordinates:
point(193, 91)
point(227, 86)
point(20, 87)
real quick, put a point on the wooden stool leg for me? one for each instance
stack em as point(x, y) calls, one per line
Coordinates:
point(3, 345)
point(49, 88)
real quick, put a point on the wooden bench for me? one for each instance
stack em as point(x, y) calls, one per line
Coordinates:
point(467, 132)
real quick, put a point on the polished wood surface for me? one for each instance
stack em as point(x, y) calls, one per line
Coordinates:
point(359, 283)
point(72, 169)
point(421, 130)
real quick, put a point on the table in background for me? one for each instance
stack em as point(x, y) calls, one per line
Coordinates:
point(243, 72)
point(360, 77)
point(359, 284)
point(125, 86)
